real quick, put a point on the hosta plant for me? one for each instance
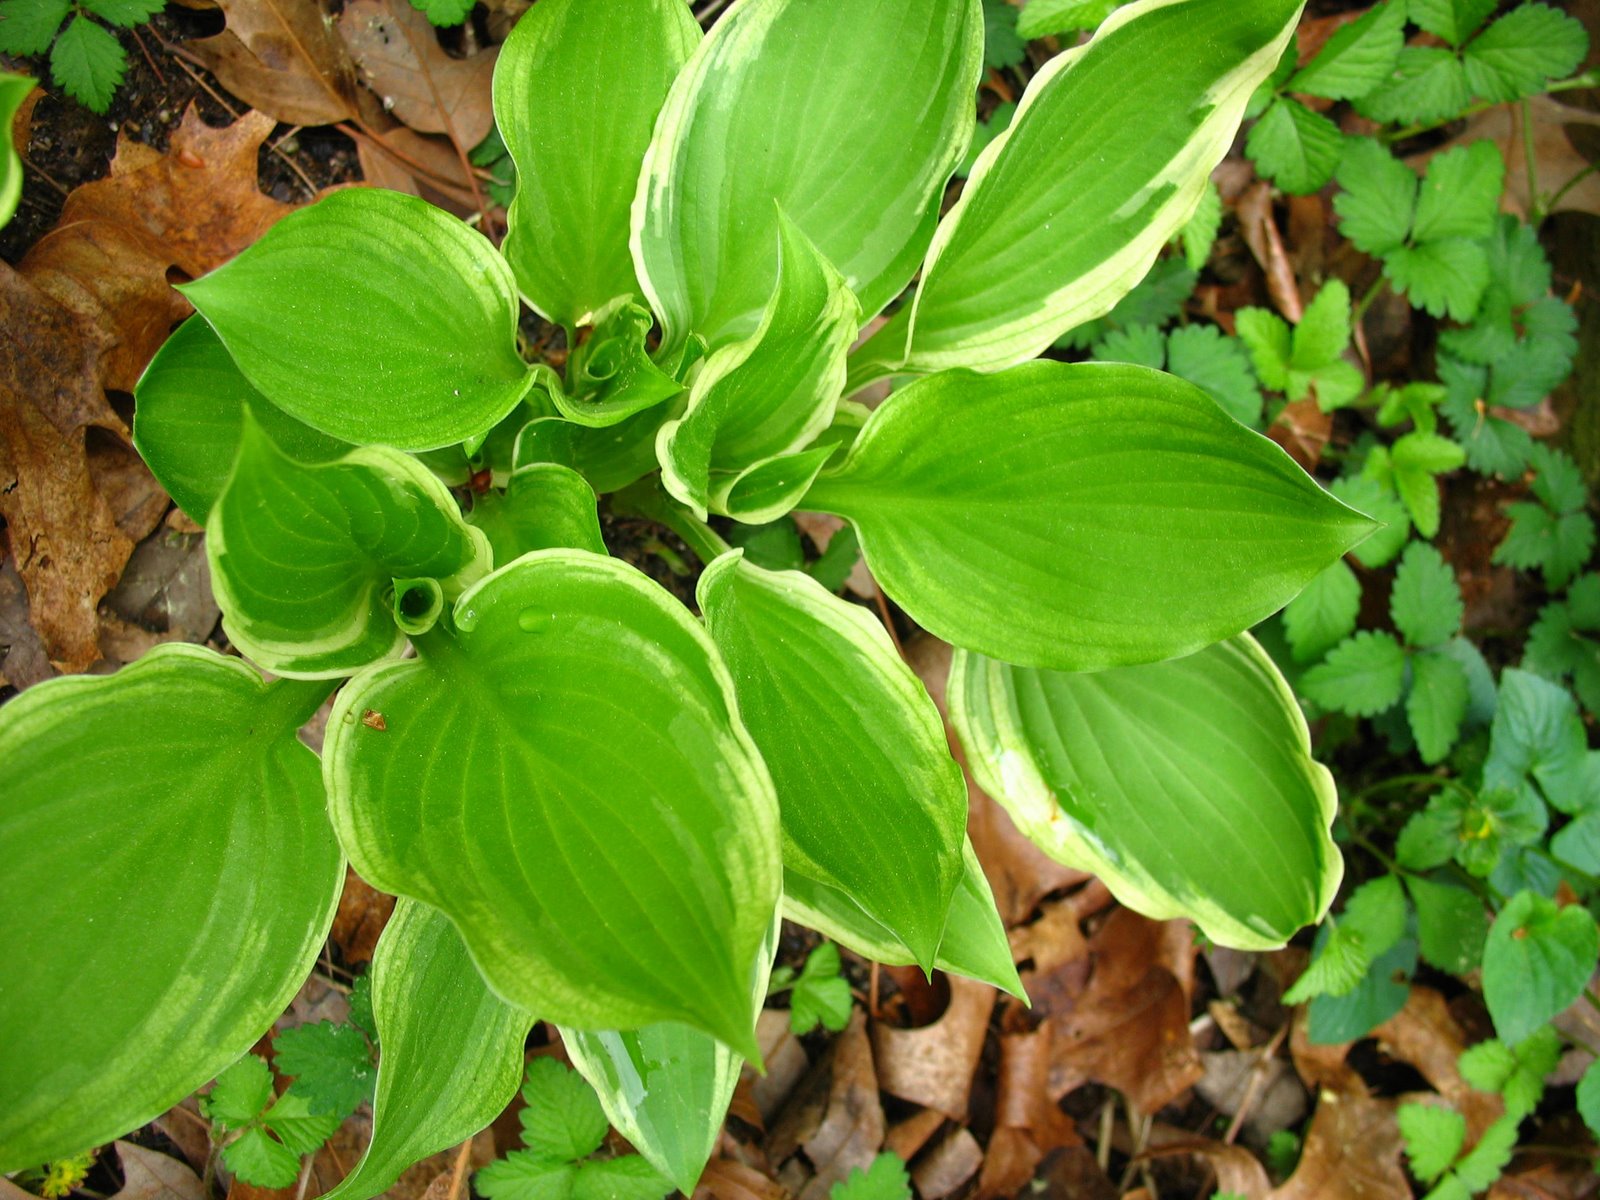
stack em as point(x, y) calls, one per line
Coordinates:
point(595, 803)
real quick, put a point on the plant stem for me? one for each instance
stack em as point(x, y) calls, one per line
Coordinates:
point(1530, 165)
point(1371, 294)
point(1587, 79)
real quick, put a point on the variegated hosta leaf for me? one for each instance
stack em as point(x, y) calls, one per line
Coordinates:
point(856, 748)
point(771, 394)
point(772, 487)
point(666, 1087)
point(576, 91)
point(374, 317)
point(190, 407)
point(304, 555)
point(974, 942)
point(169, 879)
point(1105, 160)
point(786, 101)
point(612, 374)
point(1080, 516)
point(450, 1050)
point(566, 777)
point(1188, 786)
point(544, 506)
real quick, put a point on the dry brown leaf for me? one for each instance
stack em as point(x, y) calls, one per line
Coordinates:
point(1260, 231)
point(362, 914)
point(1268, 1085)
point(282, 57)
point(949, 1164)
point(1424, 1034)
point(1352, 1152)
point(1128, 1026)
point(147, 1175)
point(400, 58)
point(1303, 430)
point(852, 1126)
point(188, 1131)
point(912, 1134)
point(422, 165)
point(1028, 1125)
point(1556, 161)
point(786, 1062)
point(933, 1065)
point(725, 1179)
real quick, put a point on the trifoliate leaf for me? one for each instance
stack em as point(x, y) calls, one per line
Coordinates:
point(1199, 233)
point(1436, 704)
point(1453, 20)
point(1362, 676)
point(240, 1093)
point(126, 13)
point(1370, 497)
point(28, 26)
point(1535, 963)
point(1444, 278)
point(1050, 18)
point(1323, 333)
point(1460, 196)
point(1268, 338)
point(296, 1126)
point(1379, 197)
point(261, 1160)
point(1488, 1065)
point(1426, 602)
point(1358, 57)
point(330, 1064)
point(1002, 47)
point(1434, 1136)
point(1522, 51)
point(1142, 345)
point(885, 1179)
point(821, 995)
point(444, 13)
point(1427, 452)
point(629, 1177)
point(1427, 84)
point(1554, 648)
point(1482, 1165)
point(88, 62)
point(1494, 445)
point(524, 1175)
point(563, 1119)
point(1294, 147)
point(1517, 262)
point(1220, 366)
point(1559, 482)
point(1324, 614)
point(1557, 545)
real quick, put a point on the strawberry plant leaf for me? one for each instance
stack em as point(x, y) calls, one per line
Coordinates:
point(1426, 602)
point(88, 62)
point(885, 1179)
point(239, 1094)
point(1379, 197)
point(1427, 84)
point(1358, 57)
point(27, 27)
point(1324, 614)
point(1453, 20)
point(1219, 366)
point(331, 1066)
point(262, 1160)
point(1361, 676)
point(1536, 961)
point(1524, 50)
point(1294, 147)
point(1436, 704)
point(124, 12)
point(1434, 1136)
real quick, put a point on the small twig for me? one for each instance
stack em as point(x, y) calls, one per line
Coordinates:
point(145, 50)
point(1258, 1080)
point(1108, 1120)
point(872, 993)
point(305, 1178)
point(41, 173)
point(458, 1169)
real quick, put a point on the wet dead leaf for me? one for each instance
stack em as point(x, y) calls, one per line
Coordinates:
point(852, 1126)
point(1028, 1125)
point(1261, 234)
point(1427, 1036)
point(400, 58)
point(282, 57)
point(952, 1161)
point(147, 1175)
point(1352, 1152)
point(933, 1065)
point(362, 914)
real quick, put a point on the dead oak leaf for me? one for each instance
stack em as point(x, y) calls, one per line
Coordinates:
point(933, 1065)
point(282, 57)
point(147, 1175)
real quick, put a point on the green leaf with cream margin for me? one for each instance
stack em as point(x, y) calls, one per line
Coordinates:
point(974, 942)
point(450, 1055)
point(666, 1087)
point(1043, 515)
point(1106, 159)
point(374, 317)
point(215, 877)
point(577, 89)
point(304, 556)
point(189, 413)
point(1187, 786)
point(544, 506)
point(566, 777)
point(784, 102)
point(772, 393)
point(856, 748)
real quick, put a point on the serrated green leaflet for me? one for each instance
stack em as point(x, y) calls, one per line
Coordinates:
point(350, 529)
point(189, 416)
point(1453, 20)
point(451, 1050)
point(974, 942)
point(567, 778)
point(410, 316)
point(1357, 57)
point(1144, 774)
point(544, 506)
point(855, 746)
point(1105, 160)
point(1294, 147)
point(576, 92)
point(13, 90)
point(770, 394)
point(1324, 614)
point(216, 877)
point(1149, 497)
point(858, 169)
point(1437, 703)
point(666, 1087)
point(1362, 676)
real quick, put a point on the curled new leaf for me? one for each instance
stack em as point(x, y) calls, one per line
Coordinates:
point(1080, 516)
point(1188, 786)
point(214, 881)
point(566, 777)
